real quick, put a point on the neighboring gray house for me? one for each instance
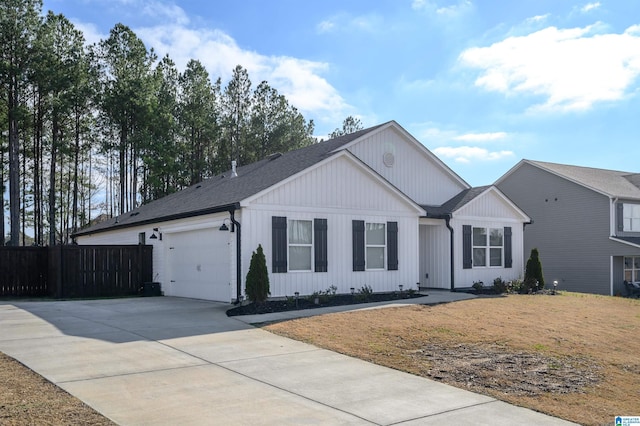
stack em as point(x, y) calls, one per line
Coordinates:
point(372, 208)
point(586, 223)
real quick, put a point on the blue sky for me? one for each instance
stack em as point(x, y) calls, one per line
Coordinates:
point(482, 84)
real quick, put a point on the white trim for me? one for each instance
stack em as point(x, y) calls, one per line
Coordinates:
point(612, 238)
point(393, 124)
point(430, 221)
point(358, 163)
point(611, 274)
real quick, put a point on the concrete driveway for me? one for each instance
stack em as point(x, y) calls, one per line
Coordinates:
point(168, 361)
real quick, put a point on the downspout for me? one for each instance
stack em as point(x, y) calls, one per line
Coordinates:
point(235, 223)
point(447, 219)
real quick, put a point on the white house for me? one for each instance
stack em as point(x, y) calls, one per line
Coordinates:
point(371, 208)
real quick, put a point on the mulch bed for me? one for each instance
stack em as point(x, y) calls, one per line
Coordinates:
point(323, 301)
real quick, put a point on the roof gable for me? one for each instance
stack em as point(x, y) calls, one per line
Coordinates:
point(341, 170)
point(414, 142)
point(476, 201)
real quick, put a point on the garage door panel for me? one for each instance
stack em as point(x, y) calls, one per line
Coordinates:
point(199, 264)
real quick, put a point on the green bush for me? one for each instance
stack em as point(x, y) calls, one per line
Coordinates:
point(365, 293)
point(499, 286)
point(478, 286)
point(534, 269)
point(529, 285)
point(257, 282)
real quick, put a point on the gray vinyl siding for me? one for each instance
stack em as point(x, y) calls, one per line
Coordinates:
point(571, 230)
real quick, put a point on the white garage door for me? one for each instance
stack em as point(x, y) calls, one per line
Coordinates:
point(199, 264)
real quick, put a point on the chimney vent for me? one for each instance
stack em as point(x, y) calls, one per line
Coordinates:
point(234, 173)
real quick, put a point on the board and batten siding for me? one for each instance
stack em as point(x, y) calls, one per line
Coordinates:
point(435, 258)
point(340, 191)
point(339, 252)
point(489, 210)
point(335, 184)
point(413, 171)
point(571, 229)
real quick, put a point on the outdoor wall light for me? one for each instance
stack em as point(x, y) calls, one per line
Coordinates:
point(353, 290)
point(400, 287)
point(154, 236)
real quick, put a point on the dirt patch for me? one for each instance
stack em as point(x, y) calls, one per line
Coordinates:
point(574, 356)
point(482, 367)
point(26, 398)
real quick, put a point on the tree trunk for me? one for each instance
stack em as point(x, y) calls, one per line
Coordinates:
point(14, 163)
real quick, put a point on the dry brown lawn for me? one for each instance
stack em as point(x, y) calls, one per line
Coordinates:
point(26, 398)
point(573, 356)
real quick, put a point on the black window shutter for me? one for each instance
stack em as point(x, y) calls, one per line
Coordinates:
point(320, 244)
point(620, 216)
point(508, 259)
point(392, 246)
point(279, 244)
point(466, 247)
point(358, 245)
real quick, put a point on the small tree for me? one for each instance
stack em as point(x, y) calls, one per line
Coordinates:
point(257, 282)
point(533, 271)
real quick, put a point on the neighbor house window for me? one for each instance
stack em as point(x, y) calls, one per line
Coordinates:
point(375, 242)
point(487, 246)
point(631, 217)
point(632, 269)
point(300, 244)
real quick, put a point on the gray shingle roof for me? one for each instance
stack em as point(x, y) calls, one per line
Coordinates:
point(222, 192)
point(615, 184)
point(457, 202)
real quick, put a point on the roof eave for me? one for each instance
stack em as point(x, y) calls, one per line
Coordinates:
point(210, 210)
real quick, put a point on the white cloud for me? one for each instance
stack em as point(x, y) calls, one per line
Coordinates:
point(325, 26)
point(90, 32)
point(571, 68)
point(481, 137)
point(590, 6)
point(538, 18)
point(451, 11)
point(468, 154)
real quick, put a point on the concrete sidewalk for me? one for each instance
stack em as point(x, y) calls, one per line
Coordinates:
point(167, 361)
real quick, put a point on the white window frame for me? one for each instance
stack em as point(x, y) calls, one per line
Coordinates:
point(634, 270)
point(290, 245)
point(368, 245)
point(630, 217)
point(487, 247)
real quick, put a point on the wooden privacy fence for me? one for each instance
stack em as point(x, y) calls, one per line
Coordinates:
point(74, 271)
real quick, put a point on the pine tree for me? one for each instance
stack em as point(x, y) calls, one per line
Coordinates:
point(533, 271)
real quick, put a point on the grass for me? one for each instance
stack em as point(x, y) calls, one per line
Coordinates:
point(26, 398)
point(574, 356)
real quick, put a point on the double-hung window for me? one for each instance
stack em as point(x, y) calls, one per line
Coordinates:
point(488, 246)
point(298, 245)
point(376, 244)
point(632, 269)
point(631, 217)
point(300, 234)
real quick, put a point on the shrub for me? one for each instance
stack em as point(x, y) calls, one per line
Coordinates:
point(534, 269)
point(478, 286)
point(365, 293)
point(257, 282)
point(499, 286)
point(529, 285)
